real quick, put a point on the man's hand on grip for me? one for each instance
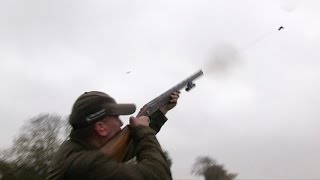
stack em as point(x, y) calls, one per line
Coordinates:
point(172, 103)
point(139, 121)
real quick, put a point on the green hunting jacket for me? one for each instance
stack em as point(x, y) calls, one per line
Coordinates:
point(78, 160)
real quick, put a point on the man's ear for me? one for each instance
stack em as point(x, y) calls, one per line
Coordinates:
point(101, 128)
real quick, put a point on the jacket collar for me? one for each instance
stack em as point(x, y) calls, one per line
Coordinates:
point(85, 144)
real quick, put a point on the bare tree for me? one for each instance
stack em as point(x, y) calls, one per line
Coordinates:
point(32, 149)
point(208, 167)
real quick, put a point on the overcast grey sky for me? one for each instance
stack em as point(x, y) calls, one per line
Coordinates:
point(256, 109)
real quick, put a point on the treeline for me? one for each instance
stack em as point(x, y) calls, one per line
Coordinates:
point(30, 155)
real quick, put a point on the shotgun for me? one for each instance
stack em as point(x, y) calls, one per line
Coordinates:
point(118, 147)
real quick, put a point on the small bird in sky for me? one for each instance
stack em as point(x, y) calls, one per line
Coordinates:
point(128, 72)
point(281, 27)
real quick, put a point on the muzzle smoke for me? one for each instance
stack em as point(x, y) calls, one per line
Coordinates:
point(222, 60)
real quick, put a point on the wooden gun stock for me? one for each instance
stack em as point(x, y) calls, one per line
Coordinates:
point(117, 147)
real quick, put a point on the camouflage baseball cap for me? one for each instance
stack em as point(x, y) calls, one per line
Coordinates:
point(93, 106)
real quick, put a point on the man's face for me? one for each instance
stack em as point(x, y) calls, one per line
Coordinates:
point(110, 126)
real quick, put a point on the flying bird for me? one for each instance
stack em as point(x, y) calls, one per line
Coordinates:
point(281, 27)
point(128, 72)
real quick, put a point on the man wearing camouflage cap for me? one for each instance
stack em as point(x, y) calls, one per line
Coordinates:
point(95, 120)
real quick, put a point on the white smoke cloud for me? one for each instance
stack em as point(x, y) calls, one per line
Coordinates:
point(289, 5)
point(223, 60)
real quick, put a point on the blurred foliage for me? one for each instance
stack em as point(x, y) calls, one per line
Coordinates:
point(32, 149)
point(208, 167)
point(6, 171)
point(168, 158)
